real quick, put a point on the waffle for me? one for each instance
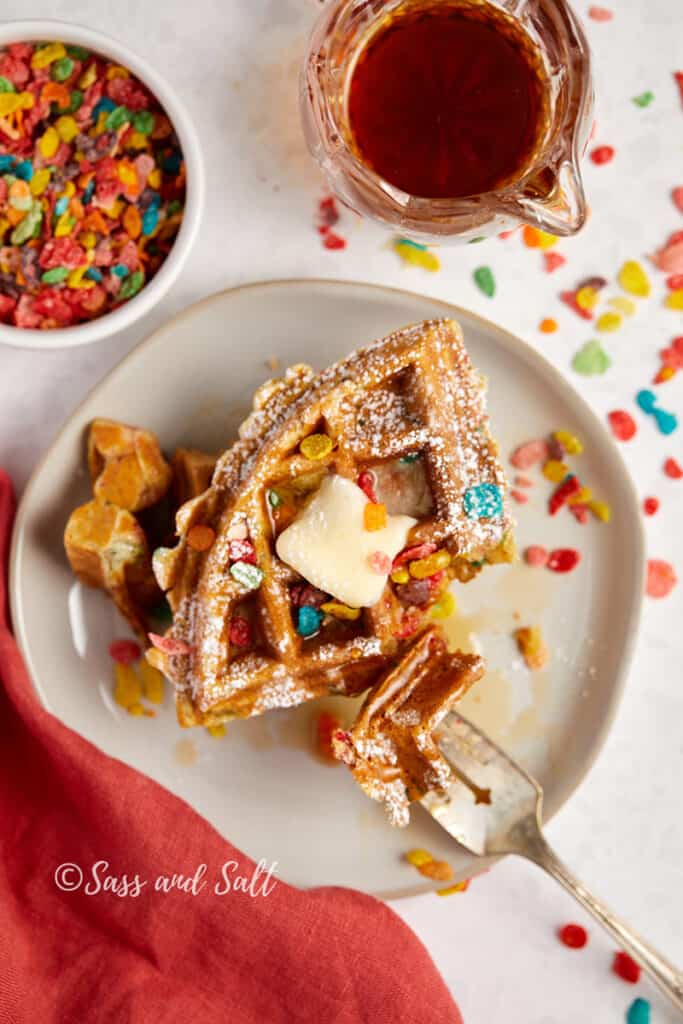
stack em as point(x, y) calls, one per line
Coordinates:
point(107, 549)
point(390, 748)
point(126, 466)
point(408, 404)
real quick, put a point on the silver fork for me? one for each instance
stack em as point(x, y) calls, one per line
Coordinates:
point(496, 808)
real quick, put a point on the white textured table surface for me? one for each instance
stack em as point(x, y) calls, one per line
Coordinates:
point(235, 63)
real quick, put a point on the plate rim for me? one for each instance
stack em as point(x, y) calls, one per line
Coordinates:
point(510, 342)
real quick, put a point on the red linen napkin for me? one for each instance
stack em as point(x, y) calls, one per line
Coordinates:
point(328, 956)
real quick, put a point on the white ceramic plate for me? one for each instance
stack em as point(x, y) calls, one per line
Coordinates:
point(260, 785)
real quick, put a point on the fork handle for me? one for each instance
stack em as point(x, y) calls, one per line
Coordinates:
point(663, 973)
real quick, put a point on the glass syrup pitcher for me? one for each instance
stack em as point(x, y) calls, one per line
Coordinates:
point(451, 118)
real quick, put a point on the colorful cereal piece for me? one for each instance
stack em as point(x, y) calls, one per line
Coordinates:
point(574, 936)
point(527, 455)
point(308, 620)
point(626, 307)
point(650, 506)
point(563, 560)
point(316, 446)
point(571, 444)
point(240, 633)
point(400, 575)
point(450, 890)
point(519, 496)
point(250, 576)
point(602, 155)
point(366, 482)
point(587, 297)
point(669, 258)
point(418, 857)
point(483, 501)
point(600, 13)
point(152, 682)
point(169, 645)
point(444, 607)
point(340, 611)
point(536, 556)
point(622, 424)
point(548, 326)
point(485, 281)
point(634, 280)
point(644, 99)
point(673, 469)
point(661, 578)
point(413, 553)
point(415, 254)
point(569, 486)
point(553, 261)
point(675, 300)
point(569, 299)
point(608, 322)
point(591, 359)
point(241, 550)
point(200, 537)
point(437, 870)
point(626, 968)
point(555, 471)
point(374, 516)
point(127, 687)
point(638, 1012)
point(125, 652)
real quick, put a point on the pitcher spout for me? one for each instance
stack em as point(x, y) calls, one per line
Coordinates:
point(553, 201)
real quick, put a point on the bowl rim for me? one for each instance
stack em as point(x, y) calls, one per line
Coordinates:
point(29, 29)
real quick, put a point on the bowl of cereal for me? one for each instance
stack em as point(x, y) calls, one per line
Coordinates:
point(101, 185)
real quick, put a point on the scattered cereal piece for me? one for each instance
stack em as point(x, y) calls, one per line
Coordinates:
point(523, 481)
point(553, 261)
point(152, 682)
point(240, 634)
point(328, 211)
point(673, 469)
point(573, 935)
point(602, 154)
point(548, 326)
point(316, 446)
point(600, 13)
point(536, 555)
point(416, 254)
point(582, 497)
point(675, 282)
point(531, 236)
point(418, 857)
point(527, 455)
point(634, 280)
point(625, 967)
point(669, 258)
point(450, 890)
point(308, 620)
point(638, 1012)
point(169, 645)
point(532, 647)
point(125, 652)
point(374, 516)
point(677, 196)
point(675, 300)
point(571, 444)
point(586, 297)
point(569, 487)
point(444, 607)
point(666, 422)
point(331, 240)
point(626, 307)
point(622, 424)
point(563, 559)
point(519, 496)
point(366, 482)
point(340, 611)
point(650, 506)
point(485, 281)
point(601, 510)
point(127, 688)
point(581, 513)
point(555, 471)
point(250, 576)
point(437, 870)
point(608, 322)
point(425, 567)
point(661, 578)
point(546, 240)
point(591, 359)
point(483, 501)
point(326, 726)
point(569, 299)
point(200, 537)
point(644, 99)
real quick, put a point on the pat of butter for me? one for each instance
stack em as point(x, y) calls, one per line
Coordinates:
point(330, 547)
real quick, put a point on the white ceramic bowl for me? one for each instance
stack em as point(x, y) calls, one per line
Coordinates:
point(82, 334)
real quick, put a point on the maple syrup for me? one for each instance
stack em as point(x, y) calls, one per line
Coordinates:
point(447, 101)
